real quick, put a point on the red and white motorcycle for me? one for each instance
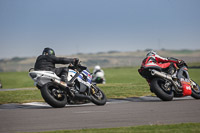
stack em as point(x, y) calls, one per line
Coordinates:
point(166, 86)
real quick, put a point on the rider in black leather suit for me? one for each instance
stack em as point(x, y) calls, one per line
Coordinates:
point(47, 62)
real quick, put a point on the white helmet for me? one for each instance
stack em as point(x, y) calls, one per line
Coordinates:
point(150, 53)
point(97, 67)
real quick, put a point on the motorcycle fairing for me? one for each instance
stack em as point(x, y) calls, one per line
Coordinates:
point(183, 75)
point(81, 87)
point(85, 78)
point(71, 74)
point(145, 70)
point(187, 90)
point(42, 77)
point(161, 65)
point(46, 74)
point(87, 74)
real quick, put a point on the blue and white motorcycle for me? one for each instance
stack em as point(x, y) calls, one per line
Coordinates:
point(56, 92)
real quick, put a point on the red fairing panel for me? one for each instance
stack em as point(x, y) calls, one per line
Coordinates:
point(187, 90)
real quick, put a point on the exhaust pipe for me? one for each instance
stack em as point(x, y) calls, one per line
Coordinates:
point(162, 75)
point(60, 82)
point(166, 76)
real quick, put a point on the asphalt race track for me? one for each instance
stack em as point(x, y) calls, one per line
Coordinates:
point(33, 117)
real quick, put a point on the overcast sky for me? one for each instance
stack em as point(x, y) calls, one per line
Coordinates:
point(89, 26)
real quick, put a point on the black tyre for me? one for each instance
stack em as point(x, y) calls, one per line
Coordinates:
point(158, 86)
point(1, 86)
point(97, 96)
point(195, 90)
point(50, 94)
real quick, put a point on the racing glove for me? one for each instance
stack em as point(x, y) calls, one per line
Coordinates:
point(76, 61)
point(180, 63)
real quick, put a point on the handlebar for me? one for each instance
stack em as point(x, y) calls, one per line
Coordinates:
point(78, 67)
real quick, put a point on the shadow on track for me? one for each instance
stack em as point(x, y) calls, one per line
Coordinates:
point(39, 105)
point(42, 105)
point(148, 99)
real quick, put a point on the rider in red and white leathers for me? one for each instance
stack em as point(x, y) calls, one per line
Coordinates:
point(153, 59)
point(169, 65)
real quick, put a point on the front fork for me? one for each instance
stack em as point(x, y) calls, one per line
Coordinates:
point(92, 89)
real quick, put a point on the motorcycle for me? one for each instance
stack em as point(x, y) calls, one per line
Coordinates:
point(56, 93)
point(166, 85)
point(98, 78)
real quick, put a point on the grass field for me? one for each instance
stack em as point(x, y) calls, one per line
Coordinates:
point(175, 128)
point(120, 83)
point(15, 80)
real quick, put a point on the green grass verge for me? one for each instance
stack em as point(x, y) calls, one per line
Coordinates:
point(120, 83)
point(20, 96)
point(175, 128)
point(15, 80)
point(194, 64)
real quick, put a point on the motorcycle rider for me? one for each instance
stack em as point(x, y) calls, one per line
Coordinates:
point(47, 62)
point(170, 63)
point(98, 73)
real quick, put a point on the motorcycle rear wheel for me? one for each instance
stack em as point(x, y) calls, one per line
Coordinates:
point(158, 88)
point(195, 90)
point(50, 95)
point(97, 96)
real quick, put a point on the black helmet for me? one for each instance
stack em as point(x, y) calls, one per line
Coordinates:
point(48, 51)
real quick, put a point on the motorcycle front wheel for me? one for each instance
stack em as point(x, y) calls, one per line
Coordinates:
point(97, 96)
point(159, 88)
point(195, 90)
point(51, 94)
